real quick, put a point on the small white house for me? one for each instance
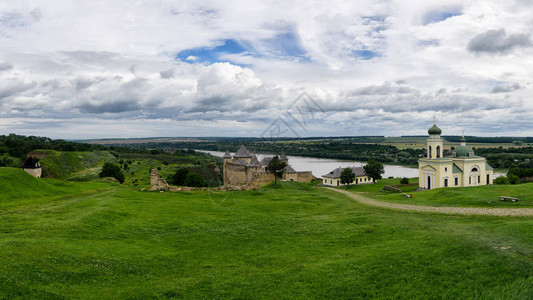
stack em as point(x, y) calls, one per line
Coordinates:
point(32, 167)
point(333, 178)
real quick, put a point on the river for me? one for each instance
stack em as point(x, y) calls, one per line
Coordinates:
point(322, 166)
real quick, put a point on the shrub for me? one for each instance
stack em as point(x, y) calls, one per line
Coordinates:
point(404, 180)
point(112, 170)
point(195, 180)
point(513, 179)
point(180, 176)
point(501, 180)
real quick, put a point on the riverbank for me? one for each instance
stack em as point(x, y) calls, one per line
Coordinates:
point(322, 166)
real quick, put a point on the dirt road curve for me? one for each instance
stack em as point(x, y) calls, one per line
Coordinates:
point(441, 210)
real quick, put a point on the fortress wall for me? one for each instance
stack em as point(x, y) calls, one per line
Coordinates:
point(235, 174)
point(264, 178)
point(305, 176)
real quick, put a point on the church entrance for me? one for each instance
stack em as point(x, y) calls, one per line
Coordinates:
point(429, 182)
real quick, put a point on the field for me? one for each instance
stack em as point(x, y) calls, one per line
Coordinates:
point(481, 196)
point(104, 240)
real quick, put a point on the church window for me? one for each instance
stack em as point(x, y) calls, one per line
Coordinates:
point(446, 169)
point(479, 179)
point(429, 152)
point(438, 151)
point(456, 181)
point(474, 169)
point(445, 182)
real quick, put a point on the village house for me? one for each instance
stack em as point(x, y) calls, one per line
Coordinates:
point(32, 167)
point(333, 178)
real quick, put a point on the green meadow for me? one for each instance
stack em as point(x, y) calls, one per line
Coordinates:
point(100, 240)
point(478, 196)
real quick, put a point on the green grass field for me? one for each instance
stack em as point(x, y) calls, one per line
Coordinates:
point(481, 196)
point(104, 240)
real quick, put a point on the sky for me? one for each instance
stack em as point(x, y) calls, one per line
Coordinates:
point(124, 69)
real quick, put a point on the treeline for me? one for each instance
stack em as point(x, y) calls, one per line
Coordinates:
point(18, 146)
point(505, 158)
point(333, 149)
point(490, 140)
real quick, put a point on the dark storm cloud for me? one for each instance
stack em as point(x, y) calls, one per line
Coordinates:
point(167, 74)
point(497, 41)
point(505, 88)
point(109, 107)
point(5, 66)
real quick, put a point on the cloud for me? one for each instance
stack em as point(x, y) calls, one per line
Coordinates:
point(497, 42)
point(505, 88)
point(375, 67)
point(167, 74)
point(5, 66)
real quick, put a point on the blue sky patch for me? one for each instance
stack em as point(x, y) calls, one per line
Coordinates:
point(211, 54)
point(365, 54)
point(436, 16)
point(285, 46)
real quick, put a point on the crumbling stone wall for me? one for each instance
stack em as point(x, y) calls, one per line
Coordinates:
point(157, 183)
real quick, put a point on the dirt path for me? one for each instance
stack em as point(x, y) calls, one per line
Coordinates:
point(442, 210)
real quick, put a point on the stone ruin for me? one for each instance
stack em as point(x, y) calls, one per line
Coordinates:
point(159, 184)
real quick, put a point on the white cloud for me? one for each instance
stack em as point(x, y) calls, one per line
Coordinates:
point(372, 65)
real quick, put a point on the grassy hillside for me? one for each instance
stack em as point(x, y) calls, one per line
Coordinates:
point(298, 241)
point(480, 196)
point(20, 188)
point(62, 164)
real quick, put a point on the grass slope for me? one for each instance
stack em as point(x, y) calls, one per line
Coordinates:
point(298, 241)
point(477, 196)
point(20, 188)
point(65, 164)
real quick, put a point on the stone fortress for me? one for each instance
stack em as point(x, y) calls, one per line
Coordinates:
point(461, 167)
point(243, 168)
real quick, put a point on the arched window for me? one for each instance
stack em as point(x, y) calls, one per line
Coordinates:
point(438, 151)
point(474, 169)
point(429, 152)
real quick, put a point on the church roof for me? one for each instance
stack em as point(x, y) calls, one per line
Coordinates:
point(434, 129)
point(243, 152)
point(488, 167)
point(463, 151)
point(456, 169)
point(358, 171)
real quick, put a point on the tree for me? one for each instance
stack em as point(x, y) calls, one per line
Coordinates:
point(404, 180)
point(180, 176)
point(347, 176)
point(276, 167)
point(374, 170)
point(112, 170)
point(195, 180)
